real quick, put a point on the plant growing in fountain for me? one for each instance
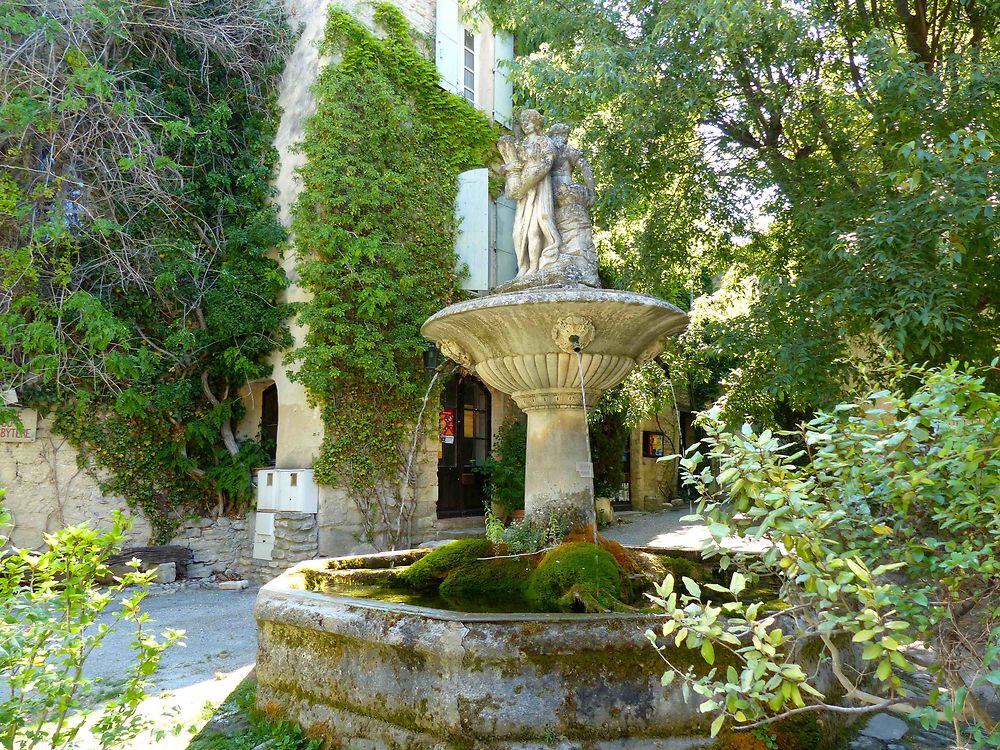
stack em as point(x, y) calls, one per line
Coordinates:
point(882, 520)
point(525, 537)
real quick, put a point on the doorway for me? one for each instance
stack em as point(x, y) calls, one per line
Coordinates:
point(465, 433)
point(269, 422)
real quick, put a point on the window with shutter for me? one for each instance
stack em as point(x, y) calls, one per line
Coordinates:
point(469, 66)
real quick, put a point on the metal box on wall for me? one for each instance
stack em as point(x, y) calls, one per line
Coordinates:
point(263, 536)
point(267, 489)
point(297, 491)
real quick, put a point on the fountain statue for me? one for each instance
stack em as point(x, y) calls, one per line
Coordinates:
point(551, 337)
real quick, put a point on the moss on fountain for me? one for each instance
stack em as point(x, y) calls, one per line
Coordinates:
point(580, 577)
point(473, 575)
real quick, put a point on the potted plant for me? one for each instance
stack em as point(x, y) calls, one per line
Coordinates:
point(503, 470)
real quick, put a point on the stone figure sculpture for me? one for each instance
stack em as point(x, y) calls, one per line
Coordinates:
point(577, 252)
point(553, 239)
point(527, 166)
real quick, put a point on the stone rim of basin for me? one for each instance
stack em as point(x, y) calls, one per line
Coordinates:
point(291, 584)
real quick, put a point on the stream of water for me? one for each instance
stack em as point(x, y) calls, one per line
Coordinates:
point(586, 432)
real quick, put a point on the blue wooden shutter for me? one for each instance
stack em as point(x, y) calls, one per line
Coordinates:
point(448, 44)
point(503, 87)
point(472, 243)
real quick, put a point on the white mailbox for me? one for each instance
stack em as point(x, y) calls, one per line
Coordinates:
point(263, 536)
point(267, 489)
point(297, 491)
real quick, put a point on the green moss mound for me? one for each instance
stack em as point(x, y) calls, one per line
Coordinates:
point(430, 571)
point(496, 579)
point(578, 576)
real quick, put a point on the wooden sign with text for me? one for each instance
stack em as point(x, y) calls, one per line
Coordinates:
point(11, 433)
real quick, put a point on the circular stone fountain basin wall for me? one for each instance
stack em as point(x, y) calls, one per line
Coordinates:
point(374, 675)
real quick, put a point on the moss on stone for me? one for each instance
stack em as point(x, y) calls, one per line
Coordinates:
point(499, 579)
point(681, 567)
point(577, 576)
point(427, 573)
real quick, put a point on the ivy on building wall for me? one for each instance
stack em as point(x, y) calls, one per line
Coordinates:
point(374, 231)
point(136, 291)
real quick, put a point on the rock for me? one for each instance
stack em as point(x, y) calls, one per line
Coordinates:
point(866, 743)
point(885, 727)
point(165, 573)
point(197, 570)
point(233, 585)
point(363, 549)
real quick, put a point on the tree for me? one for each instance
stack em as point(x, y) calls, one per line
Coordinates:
point(136, 290)
point(835, 162)
point(881, 521)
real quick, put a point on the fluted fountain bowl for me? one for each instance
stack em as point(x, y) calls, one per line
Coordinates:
point(533, 346)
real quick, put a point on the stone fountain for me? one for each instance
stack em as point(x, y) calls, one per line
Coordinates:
point(378, 674)
point(552, 338)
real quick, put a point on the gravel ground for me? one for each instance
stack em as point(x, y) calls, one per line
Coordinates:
point(220, 648)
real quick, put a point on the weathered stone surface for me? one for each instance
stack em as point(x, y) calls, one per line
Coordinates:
point(885, 727)
point(417, 678)
point(233, 585)
point(522, 343)
point(166, 573)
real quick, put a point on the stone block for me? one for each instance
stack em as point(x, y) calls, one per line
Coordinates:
point(197, 570)
point(885, 727)
point(165, 573)
point(233, 585)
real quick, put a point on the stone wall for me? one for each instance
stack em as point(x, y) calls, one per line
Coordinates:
point(653, 484)
point(218, 546)
point(47, 491)
point(296, 538)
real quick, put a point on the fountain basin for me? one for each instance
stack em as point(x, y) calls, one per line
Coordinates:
point(533, 345)
point(378, 675)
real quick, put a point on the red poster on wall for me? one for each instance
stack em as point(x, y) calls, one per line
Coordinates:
point(447, 425)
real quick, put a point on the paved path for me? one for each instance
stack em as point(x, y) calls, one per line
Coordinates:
point(666, 530)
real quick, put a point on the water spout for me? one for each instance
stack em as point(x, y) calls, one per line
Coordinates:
point(575, 340)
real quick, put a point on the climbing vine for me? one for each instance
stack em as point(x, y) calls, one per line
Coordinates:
point(374, 232)
point(136, 291)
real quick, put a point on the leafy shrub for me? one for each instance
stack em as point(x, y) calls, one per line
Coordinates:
point(523, 537)
point(503, 469)
point(51, 621)
point(883, 529)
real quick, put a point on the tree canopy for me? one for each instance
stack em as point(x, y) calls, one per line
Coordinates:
point(819, 178)
point(136, 290)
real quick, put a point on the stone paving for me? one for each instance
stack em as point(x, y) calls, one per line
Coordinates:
point(665, 529)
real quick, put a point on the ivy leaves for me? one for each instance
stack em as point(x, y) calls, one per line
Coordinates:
point(374, 234)
point(137, 294)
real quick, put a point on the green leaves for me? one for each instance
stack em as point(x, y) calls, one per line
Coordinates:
point(374, 233)
point(850, 180)
point(921, 460)
point(136, 258)
point(53, 615)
